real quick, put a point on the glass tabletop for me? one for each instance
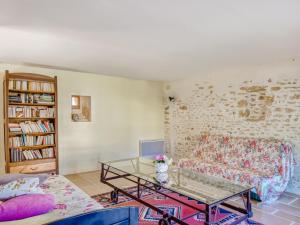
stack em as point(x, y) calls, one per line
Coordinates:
point(207, 189)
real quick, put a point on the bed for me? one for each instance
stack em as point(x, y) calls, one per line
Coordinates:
point(117, 216)
point(70, 201)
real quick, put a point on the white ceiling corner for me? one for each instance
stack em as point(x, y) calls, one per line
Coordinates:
point(156, 40)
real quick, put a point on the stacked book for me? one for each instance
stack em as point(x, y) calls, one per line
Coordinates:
point(25, 140)
point(43, 99)
point(47, 153)
point(30, 98)
point(30, 111)
point(14, 127)
point(16, 98)
point(17, 155)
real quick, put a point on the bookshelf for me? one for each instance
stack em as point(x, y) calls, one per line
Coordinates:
point(30, 123)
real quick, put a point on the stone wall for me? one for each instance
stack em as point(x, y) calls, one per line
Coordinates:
point(266, 108)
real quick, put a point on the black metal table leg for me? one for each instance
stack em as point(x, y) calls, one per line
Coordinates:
point(208, 215)
point(138, 188)
point(114, 196)
point(165, 220)
point(249, 206)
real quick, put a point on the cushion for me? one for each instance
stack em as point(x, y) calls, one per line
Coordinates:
point(20, 186)
point(6, 178)
point(26, 206)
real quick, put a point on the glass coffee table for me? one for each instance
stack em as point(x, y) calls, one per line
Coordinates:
point(211, 191)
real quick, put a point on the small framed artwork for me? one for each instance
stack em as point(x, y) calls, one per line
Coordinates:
point(81, 108)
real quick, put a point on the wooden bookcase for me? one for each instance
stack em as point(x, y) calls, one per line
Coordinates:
point(30, 123)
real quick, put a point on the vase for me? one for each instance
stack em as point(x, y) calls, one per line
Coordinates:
point(162, 177)
point(161, 167)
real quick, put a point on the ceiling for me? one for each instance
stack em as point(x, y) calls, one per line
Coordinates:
point(149, 39)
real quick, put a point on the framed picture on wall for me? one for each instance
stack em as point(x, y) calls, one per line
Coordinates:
point(81, 108)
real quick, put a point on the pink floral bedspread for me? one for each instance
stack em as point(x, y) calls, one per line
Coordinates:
point(265, 164)
point(70, 201)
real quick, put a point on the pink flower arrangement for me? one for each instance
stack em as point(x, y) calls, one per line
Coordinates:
point(162, 159)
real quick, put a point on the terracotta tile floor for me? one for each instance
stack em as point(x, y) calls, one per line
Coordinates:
point(286, 211)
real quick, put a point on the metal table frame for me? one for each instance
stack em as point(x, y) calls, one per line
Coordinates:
point(210, 211)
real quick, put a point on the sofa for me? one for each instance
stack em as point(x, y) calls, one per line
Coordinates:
point(265, 164)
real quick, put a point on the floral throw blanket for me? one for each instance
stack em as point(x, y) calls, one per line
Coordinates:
point(70, 201)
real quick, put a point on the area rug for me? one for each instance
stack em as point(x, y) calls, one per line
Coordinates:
point(149, 217)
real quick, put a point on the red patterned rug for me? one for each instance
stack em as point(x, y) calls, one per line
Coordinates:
point(149, 217)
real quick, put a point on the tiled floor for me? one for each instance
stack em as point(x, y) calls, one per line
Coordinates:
point(286, 211)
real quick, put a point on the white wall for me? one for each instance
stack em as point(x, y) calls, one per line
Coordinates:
point(123, 112)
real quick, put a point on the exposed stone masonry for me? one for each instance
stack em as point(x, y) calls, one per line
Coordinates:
point(269, 109)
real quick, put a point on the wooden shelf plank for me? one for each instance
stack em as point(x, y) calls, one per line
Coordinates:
point(32, 147)
point(31, 104)
point(32, 92)
point(32, 162)
point(32, 77)
point(52, 172)
point(13, 134)
point(31, 118)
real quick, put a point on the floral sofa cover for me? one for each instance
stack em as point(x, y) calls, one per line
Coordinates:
point(266, 164)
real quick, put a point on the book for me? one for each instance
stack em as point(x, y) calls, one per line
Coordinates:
point(41, 86)
point(31, 98)
point(14, 127)
point(30, 111)
point(28, 127)
point(25, 140)
point(17, 155)
point(10, 84)
point(18, 85)
point(47, 153)
point(24, 85)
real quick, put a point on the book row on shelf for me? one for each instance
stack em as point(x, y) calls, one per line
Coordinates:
point(28, 127)
point(30, 111)
point(30, 98)
point(17, 155)
point(25, 85)
point(25, 140)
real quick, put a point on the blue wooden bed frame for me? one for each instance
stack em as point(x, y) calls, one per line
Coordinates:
point(115, 216)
